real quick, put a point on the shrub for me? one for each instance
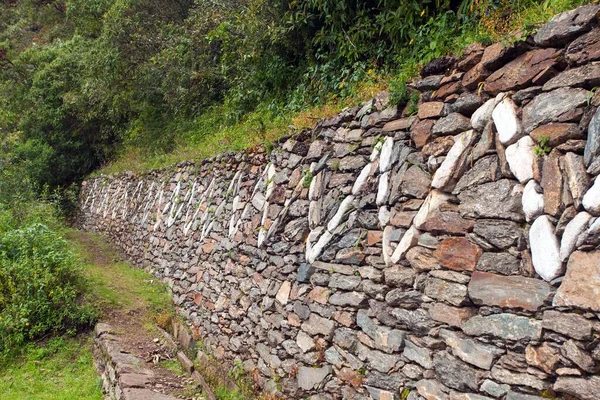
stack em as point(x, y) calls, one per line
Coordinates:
point(40, 287)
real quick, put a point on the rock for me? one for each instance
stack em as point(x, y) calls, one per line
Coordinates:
point(305, 342)
point(466, 104)
point(585, 48)
point(514, 378)
point(486, 142)
point(454, 162)
point(582, 388)
point(458, 254)
point(431, 390)
point(502, 263)
point(398, 124)
point(581, 358)
point(415, 182)
point(544, 249)
point(531, 67)
point(522, 160)
point(591, 199)
point(500, 199)
point(432, 109)
point(283, 294)
point(504, 326)
point(416, 321)
point(587, 76)
point(316, 325)
point(310, 378)
point(508, 291)
point(493, 388)
point(533, 201)
point(554, 106)
point(485, 170)
point(399, 276)
point(573, 230)
point(377, 360)
point(420, 355)
point(453, 124)
point(569, 324)
point(388, 156)
point(483, 115)
point(567, 25)
point(386, 339)
point(349, 299)
point(452, 316)
point(556, 133)
point(452, 293)
point(438, 147)
point(455, 373)
point(507, 123)
point(577, 177)
point(437, 214)
point(379, 394)
point(422, 259)
point(470, 351)
point(579, 287)
point(421, 132)
point(544, 357)
point(592, 146)
point(552, 183)
point(500, 233)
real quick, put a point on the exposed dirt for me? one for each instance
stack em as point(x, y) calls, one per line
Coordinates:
point(134, 326)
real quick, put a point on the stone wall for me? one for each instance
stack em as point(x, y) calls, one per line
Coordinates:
point(453, 254)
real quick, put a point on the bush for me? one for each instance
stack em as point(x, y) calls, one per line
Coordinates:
point(40, 286)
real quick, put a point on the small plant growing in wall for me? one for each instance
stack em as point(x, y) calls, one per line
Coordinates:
point(307, 177)
point(543, 147)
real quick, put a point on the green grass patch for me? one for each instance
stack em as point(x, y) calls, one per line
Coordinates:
point(60, 369)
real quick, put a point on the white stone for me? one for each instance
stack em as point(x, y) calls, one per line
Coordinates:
point(271, 172)
point(360, 182)
point(314, 214)
point(384, 216)
point(283, 294)
point(591, 200)
point(383, 188)
point(506, 121)
point(375, 153)
point(317, 249)
point(304, 341)
point(409, 240)
point(343, 208)
point(482, 115)
point(385, 159)
point(533, 200)
point(443, 176)
point(431, 204)
point(386, 248)
point(573, 230)
point(545, 252)
point(521, 158)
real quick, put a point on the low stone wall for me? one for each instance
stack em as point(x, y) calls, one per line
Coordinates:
point(452, 254)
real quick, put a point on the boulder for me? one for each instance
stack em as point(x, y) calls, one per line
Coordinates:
point(587, 76)
point(585, 48)
point(458, 254)
point(504, 326)
point(453, 124)
point(555, 106)
point(533, 201)
point(545, 252)
point(580, 285)
point(566, 26)
point(591, 200)
point(571, 234)
point(508, 291)
point(453, 164)
point(522, 159)
point(500, 199)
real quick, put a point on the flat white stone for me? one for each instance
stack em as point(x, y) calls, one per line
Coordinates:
point(521, 158)
point(385, 159)
point(533, 200)
point(409, 240)
point(431, 204)
point(545, 252)
point(386, 248)
point(591, 200)
point(270, 180)
point(443, 176)
point(573, 230)
point(304, 341)
point(343, 208)
point(317, 249)
point(375, 153)
point(384, 216)
point(383, 188)
point(483, 115)
point(360, 182)
point(507, 123)
point(314, 214)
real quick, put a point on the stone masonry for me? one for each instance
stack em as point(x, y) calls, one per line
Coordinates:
point(452, 254)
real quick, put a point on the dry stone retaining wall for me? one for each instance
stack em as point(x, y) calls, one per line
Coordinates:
point(453, 254)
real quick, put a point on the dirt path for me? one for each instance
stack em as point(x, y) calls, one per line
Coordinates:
point(131, 303)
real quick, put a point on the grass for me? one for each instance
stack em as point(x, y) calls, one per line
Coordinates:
point(59, 369)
